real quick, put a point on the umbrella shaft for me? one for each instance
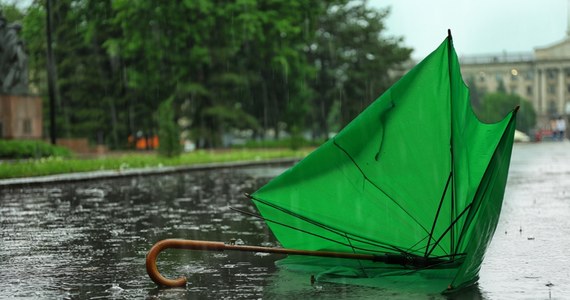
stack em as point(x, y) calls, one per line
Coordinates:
point(155, 275)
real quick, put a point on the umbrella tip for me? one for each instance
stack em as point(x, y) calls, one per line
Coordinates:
point(517, 108)
point(449, 33)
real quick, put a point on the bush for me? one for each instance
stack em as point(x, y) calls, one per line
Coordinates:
point(17, 149)
point(495, 107)
point(168, 131)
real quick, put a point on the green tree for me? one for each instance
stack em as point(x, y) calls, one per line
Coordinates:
point(475, 94)
point(148, 45)
point(188, 50)
point(226, 64)
point(34, 34)
point(89, 75)
point(496, 105)
point(276, 65)
point(11, 12)
point(168, 130)
point(501, 88)
point(353, 59)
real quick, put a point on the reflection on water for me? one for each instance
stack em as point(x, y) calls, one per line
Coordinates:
point(89, 240)
point(530, 247)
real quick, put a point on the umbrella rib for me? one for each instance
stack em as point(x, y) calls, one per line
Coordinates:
point(449, 227)
point(452, 156)
point(377, 187)
point(438, 210)
point(411, 249)
point(359, 263)
point(304, 231)
point(471, 212)
point(329, 228)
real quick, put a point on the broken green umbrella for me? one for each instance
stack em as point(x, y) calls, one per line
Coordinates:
point(416, 174)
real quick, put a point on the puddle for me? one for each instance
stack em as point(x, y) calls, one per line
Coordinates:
point(89, 240)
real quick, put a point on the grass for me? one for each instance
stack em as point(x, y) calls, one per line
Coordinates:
point(59, 165)
point(282, 143)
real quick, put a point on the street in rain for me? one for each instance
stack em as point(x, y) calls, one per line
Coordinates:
point(282, 149)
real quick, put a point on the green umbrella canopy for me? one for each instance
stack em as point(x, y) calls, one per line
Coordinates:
point(415, 174)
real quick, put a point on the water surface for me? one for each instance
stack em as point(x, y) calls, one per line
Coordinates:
point(89, 240)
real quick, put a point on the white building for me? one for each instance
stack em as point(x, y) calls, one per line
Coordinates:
point(541, 76)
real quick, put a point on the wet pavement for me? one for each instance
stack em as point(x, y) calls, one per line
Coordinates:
point(528, 256)
point(89, 240)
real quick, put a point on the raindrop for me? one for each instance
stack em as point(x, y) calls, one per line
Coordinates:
point(115, 289)
point(229, 266)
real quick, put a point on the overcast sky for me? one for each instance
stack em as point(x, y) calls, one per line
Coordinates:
point(477, 26)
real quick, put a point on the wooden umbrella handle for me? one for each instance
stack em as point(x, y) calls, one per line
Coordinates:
point(152, 254)
point(396, 259)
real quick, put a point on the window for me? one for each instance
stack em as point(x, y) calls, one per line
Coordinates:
point(551, 89)
point(529, 90)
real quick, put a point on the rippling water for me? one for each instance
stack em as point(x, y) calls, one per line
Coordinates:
point(89, 240)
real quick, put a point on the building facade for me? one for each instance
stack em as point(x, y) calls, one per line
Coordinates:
point(542, 77)
point(20, 117)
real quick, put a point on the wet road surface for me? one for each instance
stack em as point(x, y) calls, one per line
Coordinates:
point(89, 240)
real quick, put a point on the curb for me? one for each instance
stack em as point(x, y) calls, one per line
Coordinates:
point(110, 174)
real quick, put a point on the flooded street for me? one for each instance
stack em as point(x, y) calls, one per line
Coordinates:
point(89, 240)
point(530, 248)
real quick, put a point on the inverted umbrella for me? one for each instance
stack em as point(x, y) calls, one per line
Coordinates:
point(413, 185)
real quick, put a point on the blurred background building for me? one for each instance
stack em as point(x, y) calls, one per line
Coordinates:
point(541, 76)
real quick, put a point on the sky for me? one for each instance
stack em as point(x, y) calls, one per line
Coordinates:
point(478, 26)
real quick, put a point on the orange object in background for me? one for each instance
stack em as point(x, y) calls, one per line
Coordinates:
point(144, 143)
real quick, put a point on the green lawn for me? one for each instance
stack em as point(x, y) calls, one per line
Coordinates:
point(57, 165)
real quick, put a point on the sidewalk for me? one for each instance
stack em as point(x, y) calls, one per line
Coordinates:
point(110, 174)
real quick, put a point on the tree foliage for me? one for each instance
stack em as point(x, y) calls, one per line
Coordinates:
point(496, 105)
point(352, 60)
point(262, 65)
point(168, 131)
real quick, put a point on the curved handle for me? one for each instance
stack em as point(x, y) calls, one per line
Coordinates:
point(398, 259)
point(152, 269)
point(153, 253)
